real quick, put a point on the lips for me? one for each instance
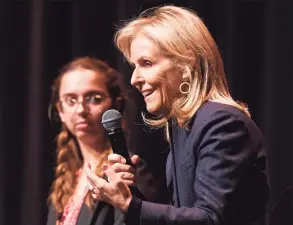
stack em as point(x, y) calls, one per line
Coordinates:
point(83, 124)
point(147, 93)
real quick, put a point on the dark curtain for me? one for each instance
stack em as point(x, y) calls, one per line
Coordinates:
point(255, 38)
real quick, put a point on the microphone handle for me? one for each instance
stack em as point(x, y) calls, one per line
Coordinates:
point(118, 144)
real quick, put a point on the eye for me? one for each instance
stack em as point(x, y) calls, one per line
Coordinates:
point(94, 99)
point(146, 63)
point(70, 101)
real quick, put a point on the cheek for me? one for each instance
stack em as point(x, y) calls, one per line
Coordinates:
point(173, 81)
point(99, 110)
point(65, 118)
point(154, 77)
point(61, 116)
point(173, 86)
point(169, 90)
point(68, 122)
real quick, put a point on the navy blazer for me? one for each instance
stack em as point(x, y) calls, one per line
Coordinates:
point(216, 173)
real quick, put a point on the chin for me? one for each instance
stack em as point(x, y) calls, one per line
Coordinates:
point(81, 134)
point(158, 110)
point(154, 110)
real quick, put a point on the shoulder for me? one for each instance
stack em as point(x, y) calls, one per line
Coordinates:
point(211, 111)
point(215, 109)
point(222, 117)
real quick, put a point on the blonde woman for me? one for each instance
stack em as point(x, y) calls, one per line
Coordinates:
point(216, 169)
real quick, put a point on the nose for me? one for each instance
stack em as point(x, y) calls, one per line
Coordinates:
point(80, 108)
point(136, 79)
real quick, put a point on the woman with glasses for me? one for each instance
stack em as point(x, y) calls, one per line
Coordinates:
point(83, 91)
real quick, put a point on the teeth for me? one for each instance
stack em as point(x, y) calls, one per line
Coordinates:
point(145, 94)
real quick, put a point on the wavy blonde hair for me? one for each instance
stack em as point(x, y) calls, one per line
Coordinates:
point(69, 159)
point(181, 35)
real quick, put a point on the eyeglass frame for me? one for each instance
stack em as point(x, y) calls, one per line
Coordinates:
point(83, 101)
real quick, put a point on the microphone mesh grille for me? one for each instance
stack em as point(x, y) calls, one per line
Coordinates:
point(111, 119)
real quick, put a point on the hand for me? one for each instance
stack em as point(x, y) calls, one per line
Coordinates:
point(115, 191)
point(123, 170)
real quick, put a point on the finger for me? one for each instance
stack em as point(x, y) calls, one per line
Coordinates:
point(95, 193)
point(95, 181)
point(96, 196)
point(118, 167)
point(130, 183)
point(90, 188)
point(104, 166)
point(136, 160)
point(111, 175)
point(89, 185)
point(128, 178)
point(88, 172)
point(115, 158)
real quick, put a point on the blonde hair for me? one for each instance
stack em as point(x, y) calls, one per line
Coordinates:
point(182, 36)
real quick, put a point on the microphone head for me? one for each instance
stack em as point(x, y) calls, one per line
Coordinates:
point(112, 120)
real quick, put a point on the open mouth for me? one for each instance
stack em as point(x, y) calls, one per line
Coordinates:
point(146, 94)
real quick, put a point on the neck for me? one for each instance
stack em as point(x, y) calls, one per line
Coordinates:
point(91, 150)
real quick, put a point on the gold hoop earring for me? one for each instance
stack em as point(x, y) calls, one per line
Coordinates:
point(184, 88)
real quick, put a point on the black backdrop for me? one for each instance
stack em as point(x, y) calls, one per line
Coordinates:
point(39, 36)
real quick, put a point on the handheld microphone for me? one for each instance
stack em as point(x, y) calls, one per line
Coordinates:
point(112, 122)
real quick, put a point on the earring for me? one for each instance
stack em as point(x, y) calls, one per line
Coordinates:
point(184, 88)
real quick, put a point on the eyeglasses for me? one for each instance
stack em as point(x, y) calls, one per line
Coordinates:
point(70, 103)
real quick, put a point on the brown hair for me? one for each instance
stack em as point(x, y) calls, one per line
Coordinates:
point(69, 159)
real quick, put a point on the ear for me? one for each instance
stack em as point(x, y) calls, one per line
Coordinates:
point(186, 73)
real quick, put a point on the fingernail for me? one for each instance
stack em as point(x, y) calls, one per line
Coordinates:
point(123, 160)
point(104, 167)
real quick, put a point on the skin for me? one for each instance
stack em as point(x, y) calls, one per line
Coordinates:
point(114, 191)
point(84, 119)
point(155, 77)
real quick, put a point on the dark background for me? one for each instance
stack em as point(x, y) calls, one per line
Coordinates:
point(37, 37)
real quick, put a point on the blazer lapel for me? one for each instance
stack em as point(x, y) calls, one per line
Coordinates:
point(169, 170)
point(169, 162)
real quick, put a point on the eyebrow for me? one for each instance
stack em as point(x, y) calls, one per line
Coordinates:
point(91, 92)
point(142, 58)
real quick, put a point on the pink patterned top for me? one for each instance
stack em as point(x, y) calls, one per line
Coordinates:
point(72, 209)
